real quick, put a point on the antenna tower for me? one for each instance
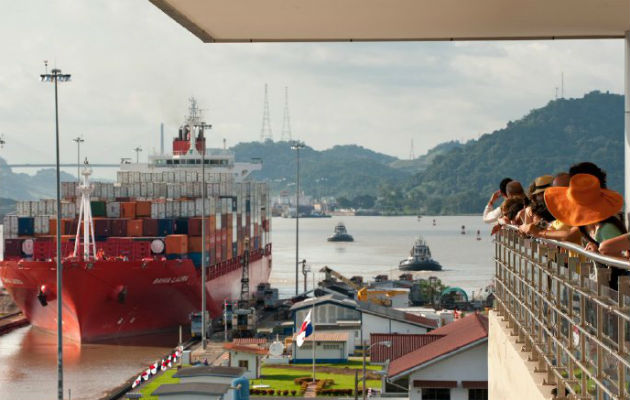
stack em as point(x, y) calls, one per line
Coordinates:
point(286, 121)
point(412, 154)
point(265, 131)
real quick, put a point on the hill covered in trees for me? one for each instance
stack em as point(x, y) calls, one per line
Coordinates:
point(342, 171)
point(546, 141)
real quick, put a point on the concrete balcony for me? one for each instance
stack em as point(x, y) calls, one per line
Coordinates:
point(558, 331)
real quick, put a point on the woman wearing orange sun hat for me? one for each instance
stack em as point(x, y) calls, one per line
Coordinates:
point(586, 205)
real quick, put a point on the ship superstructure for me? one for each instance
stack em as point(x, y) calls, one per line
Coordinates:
point(137, 269)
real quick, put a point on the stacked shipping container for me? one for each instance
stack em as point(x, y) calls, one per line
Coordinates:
point(148, 214)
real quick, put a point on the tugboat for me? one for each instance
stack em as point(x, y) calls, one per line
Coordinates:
point(340, 234)
point(419, 259)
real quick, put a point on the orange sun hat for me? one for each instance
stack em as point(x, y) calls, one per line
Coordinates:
point(584, 202)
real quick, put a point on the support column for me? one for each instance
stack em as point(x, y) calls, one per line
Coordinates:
point(626, 79)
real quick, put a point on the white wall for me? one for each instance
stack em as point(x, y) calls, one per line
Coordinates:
point(328, 314)
point(469, 365)
point(323, 350)
point(253, 366)
point(376, 324)
point(509, 372)
point(187, 396)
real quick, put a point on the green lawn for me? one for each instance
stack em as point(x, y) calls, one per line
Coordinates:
point(150, 386)
point(282, 378)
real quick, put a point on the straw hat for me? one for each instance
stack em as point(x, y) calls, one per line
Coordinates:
point(583, 202)
point(542, 183)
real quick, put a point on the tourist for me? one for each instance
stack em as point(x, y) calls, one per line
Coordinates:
point(536, 201)
point(511, 208)
point(491, 214)
point(557, 229)
point(585, 204)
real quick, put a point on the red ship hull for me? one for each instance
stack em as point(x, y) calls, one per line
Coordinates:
point(106, 299)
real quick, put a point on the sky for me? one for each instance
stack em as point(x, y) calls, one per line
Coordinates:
point(133, 67)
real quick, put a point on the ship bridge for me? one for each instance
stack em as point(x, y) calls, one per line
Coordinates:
point(557, 330)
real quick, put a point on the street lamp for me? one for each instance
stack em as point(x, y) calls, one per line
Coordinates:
point(138, 150)
point(201, 126)
point(79, 140)
point(297, 146)
point(305, 270)
point(386, 343)
point(56, 76)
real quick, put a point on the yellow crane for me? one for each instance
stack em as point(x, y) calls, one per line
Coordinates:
point(381, 297)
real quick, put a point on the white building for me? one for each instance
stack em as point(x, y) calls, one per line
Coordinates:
point(453, 367)
point(247, 356)
point(330, 347)
point(335, 312)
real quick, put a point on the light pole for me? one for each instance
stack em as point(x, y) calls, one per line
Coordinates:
point(305, 270)
point(297, 146)
point(138, 150)
point(56, 76)
point(385, 343)
point(204, 195)
point(78, 140)
point(2, 143)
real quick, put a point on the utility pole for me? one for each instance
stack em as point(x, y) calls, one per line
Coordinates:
point(297, 146)
point(78, 140)
point(138, 150)
point(56, 76)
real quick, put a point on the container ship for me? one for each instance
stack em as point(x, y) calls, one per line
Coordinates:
point(132, 250)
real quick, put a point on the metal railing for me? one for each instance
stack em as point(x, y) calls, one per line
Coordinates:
point(556, 298)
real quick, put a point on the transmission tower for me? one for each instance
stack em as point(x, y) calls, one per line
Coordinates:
point(412, 154)
point(265, 131)
point(286, 121)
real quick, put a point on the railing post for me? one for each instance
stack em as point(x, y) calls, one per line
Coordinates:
point(624, 290)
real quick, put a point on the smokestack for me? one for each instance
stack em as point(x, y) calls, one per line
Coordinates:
point(162, 138)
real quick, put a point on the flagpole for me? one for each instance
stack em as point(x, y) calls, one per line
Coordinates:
point(313, 322)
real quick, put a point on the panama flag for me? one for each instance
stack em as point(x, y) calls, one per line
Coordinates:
point(305, 330)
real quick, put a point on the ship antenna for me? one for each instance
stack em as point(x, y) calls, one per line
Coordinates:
point(85, 216)
point(265, 131)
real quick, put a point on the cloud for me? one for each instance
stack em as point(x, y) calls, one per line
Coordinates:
point(133, 67)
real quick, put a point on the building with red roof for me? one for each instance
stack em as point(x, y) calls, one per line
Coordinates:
point(453, 365)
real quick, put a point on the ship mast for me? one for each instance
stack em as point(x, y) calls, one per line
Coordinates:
point(85, 216)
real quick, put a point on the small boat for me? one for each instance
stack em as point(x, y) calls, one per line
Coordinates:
point(340, 234)
point(419, 258)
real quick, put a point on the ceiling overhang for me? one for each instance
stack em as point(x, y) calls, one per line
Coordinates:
point(398, 20)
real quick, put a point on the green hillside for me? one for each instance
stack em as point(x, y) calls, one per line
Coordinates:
point(342, 171)
point(546, 141)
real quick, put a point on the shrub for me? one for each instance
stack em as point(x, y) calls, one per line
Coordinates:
point(285, 392)
point(293, 392)
point(271, 392)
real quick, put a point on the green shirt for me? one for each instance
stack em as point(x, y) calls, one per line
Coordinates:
point(607, 231)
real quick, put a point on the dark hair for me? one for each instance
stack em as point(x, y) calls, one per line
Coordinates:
point(591, 169)
point(539, 208)
point(512, 206)
point(503, 185)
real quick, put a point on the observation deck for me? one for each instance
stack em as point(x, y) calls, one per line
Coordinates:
point(554, 306)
